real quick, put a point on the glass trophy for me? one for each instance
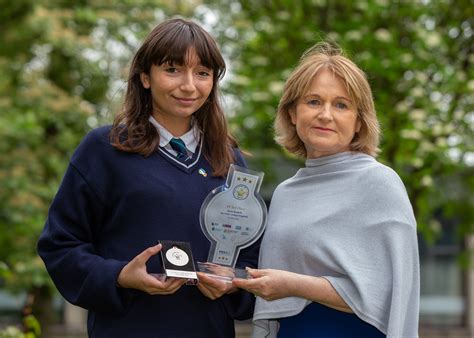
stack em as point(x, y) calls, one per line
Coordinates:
point(232, 217)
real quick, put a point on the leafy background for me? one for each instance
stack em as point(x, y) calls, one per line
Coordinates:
point(63, 67)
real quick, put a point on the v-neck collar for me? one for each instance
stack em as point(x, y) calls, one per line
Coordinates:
point(187, 165)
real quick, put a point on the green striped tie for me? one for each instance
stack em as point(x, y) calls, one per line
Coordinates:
point(178, 145)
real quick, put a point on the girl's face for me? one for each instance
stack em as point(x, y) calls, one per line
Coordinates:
point(325, 117)
point(178, 91)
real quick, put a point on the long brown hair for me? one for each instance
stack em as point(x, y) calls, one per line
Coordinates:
point(170, 42)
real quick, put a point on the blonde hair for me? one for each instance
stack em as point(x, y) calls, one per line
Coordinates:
point(326, 55)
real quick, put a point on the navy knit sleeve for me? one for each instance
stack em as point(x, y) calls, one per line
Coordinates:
point(66, 246)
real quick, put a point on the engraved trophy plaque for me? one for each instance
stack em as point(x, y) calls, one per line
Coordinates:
point(232, 217)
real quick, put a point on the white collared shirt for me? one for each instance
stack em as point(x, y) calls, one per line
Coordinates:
point(190, 138)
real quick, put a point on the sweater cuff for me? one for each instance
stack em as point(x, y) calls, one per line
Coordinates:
point(103, 294)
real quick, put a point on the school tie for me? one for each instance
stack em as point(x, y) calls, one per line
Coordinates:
point(178, 145)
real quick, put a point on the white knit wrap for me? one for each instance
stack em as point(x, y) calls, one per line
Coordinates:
point(347, 218)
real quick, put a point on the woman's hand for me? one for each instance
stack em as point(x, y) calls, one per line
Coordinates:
point(213, 288)
point(269, 284)
point(135, 276)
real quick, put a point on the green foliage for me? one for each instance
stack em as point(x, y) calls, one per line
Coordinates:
point(32, 325)
point(4, 271)
point(63, 70)
point(418, 57)
point(32, 329)
point(12, 332)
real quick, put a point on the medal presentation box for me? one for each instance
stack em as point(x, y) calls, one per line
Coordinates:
point(177, 259)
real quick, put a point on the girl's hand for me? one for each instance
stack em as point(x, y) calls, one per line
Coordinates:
point(135, 276)
point(213, 288)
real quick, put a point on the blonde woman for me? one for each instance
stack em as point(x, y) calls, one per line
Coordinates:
point(339, 257)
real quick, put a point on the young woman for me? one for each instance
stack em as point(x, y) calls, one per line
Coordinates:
point(143, 180)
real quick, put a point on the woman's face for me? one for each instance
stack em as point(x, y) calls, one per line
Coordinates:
point(325, 117)
point(178, 91)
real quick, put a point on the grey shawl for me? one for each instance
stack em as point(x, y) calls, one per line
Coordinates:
point(346, 218)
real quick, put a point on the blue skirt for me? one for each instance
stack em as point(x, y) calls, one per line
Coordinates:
point(319, 321)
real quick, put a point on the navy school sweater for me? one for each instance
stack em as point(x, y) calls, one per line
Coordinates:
point(111, 205)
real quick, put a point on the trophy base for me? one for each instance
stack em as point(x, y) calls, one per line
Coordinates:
point(221, 272)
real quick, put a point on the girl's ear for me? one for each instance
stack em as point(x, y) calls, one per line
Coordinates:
point(145, 78)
